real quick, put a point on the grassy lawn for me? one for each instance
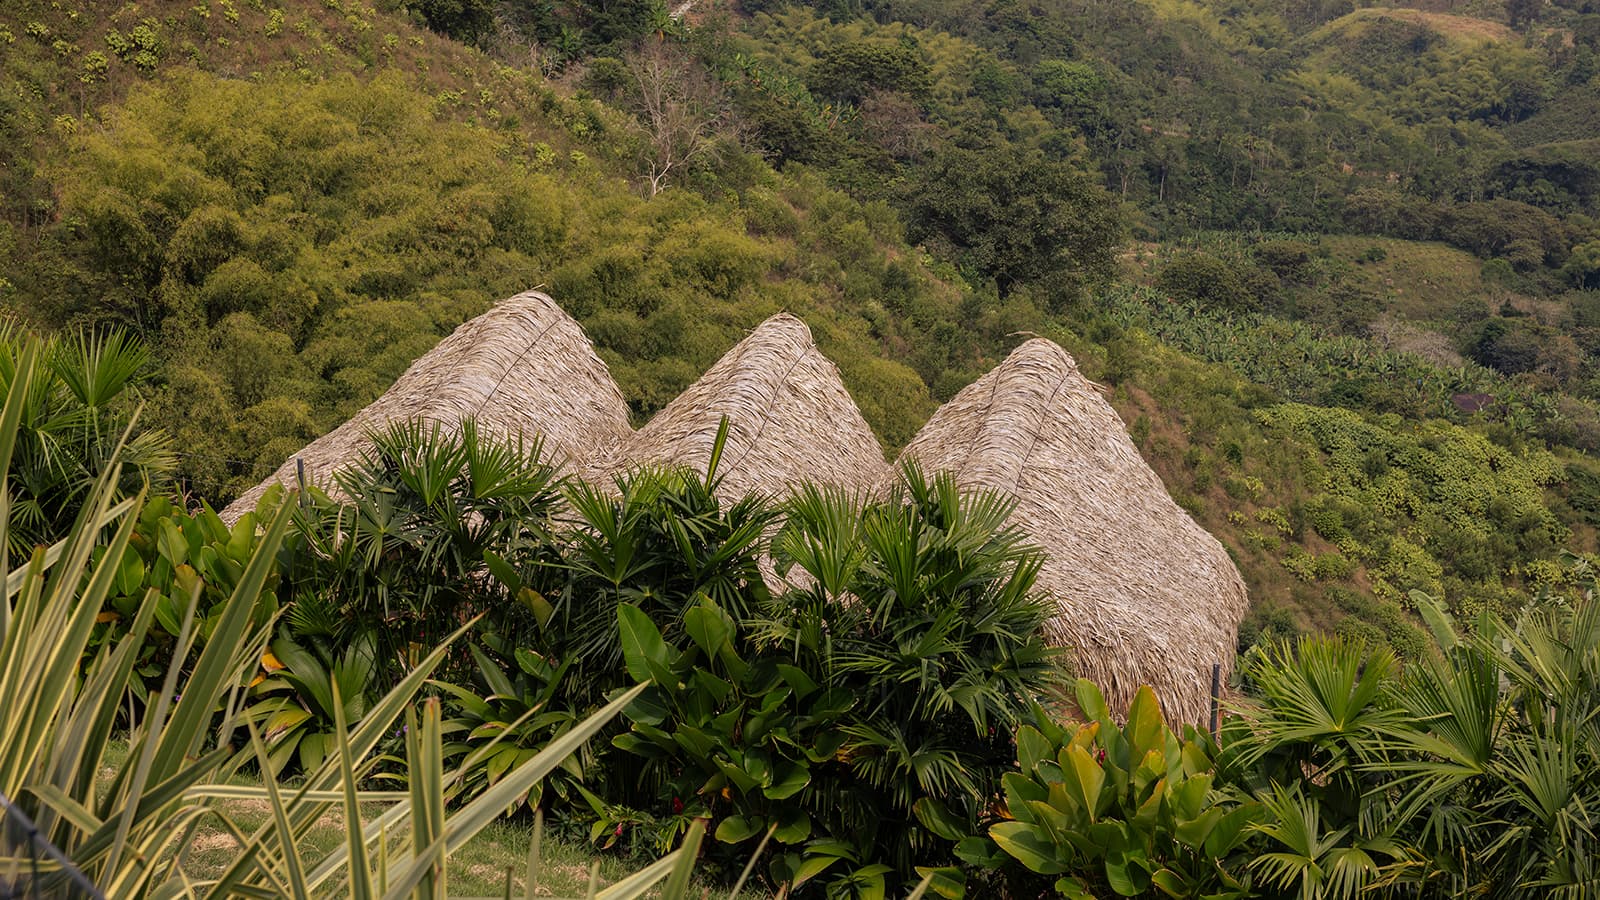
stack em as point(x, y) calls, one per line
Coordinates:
point(477, 870)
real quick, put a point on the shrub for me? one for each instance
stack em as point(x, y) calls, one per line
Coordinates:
point(1290, 259)
point(81, 406)
point(407, 556)
point(1204, 279)
point(866, 733)
point(1123, 808)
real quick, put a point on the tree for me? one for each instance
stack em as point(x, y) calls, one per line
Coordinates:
point(1583, 266)
point(852, 71)
point(464, 20)
point(1522, 13)
point(1204, 279)
point(1015, 214)
point(680, 113)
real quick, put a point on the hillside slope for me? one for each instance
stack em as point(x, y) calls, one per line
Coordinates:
point(292, 200)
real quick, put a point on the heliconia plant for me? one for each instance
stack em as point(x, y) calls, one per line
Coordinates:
point(1124, 808)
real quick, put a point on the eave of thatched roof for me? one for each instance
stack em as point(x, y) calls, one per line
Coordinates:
point(790, 419)
point(1145, 595)
point(524, 368)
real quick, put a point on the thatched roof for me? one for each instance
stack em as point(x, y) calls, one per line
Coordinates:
point(522, 368)
point(1146, 596)
point(790, 419)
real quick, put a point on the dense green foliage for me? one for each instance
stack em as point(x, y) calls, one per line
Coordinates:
point(1470, 773)
point(78, 410)
point(1125, 808)
point(1382, 120)
point(131, 831)
point(860, 712)
point(847, 725)
point(290, 202)
point(287, 243)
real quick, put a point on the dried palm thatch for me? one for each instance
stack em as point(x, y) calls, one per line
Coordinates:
point(1145, 595)
point(524, 368)
point(790, 419)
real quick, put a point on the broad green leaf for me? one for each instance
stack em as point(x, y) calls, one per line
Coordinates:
point(644, 651)
point(709, 627)
point(503, 572)
point(1145, 729)
point(793, 827)
point(798, 680)
point(130, 575)
point(535, 601)
point(1032, 746)
point(811, 867)
point(946, 881)
point(937, 818)
point(1092, 703)
point(734, 829)
point(1083, 779)
point(1029, 845)
point(1019, 790)
point(793, 781)
point(1127, 875)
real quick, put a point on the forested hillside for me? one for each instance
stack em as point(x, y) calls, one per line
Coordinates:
point(1336, 267)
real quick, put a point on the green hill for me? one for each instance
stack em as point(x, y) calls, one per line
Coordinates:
point(1338, 235)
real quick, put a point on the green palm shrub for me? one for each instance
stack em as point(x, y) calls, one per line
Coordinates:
point(1122, 809)
point(1498, 761)
point(1472, 773)
point(76, 416)
point(862, 717)
point(658, 541)
point(1312, 748)
point(923, 607)
point(404, 557)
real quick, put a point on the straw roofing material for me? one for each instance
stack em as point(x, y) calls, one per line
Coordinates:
point(790, 419)
point(522, 368)
point(1145, 595)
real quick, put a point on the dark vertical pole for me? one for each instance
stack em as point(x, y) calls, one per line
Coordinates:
point(300, 478)
point(1216, 693)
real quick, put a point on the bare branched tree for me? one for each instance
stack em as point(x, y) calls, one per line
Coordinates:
point(680, 112)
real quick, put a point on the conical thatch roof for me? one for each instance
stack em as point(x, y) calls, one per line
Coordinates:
point(1146, 596)
point(524, 367)
point(790, 419)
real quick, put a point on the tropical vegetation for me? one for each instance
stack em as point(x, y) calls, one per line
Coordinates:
point(1336, 267)
point(875, 713)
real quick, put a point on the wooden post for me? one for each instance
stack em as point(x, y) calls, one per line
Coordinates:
point(1216, 694)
